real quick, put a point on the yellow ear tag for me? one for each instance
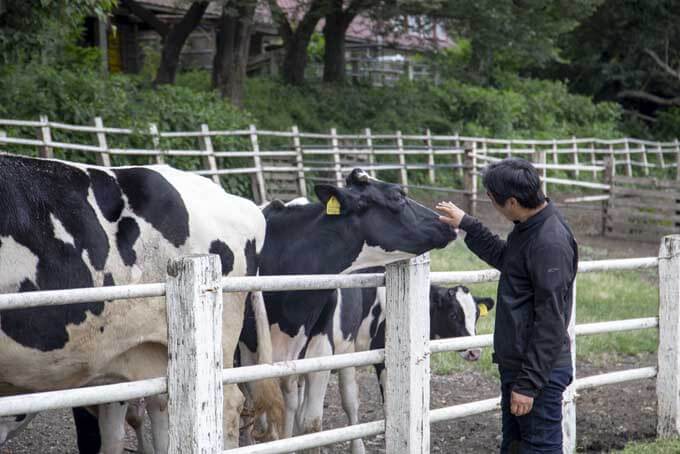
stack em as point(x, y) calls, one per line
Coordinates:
point(333, 207)
point(483, 311)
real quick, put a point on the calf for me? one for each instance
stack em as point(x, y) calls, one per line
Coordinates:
point(66, 225)
point(358, 324)
point(367, 223)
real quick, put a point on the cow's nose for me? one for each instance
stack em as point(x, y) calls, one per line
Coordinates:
point(474, 355)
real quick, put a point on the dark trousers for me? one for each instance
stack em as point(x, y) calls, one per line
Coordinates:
point(539, 431)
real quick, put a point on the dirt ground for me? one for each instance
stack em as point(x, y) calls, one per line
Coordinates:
point(607, 417)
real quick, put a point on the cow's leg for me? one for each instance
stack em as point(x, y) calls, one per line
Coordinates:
point(88, 438)
point(289, 387)
point(233, 399)
point(349, 392)
point(135, 418)
point(112, 427)
point(310, 417)
point(157, 408)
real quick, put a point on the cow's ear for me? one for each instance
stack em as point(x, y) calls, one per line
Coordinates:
point(488, 302)
point(338, 201)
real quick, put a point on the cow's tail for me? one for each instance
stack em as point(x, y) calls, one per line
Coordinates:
point(267, 398)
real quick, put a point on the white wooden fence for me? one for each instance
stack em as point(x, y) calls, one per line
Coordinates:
point(282, 163)
point(407, 411)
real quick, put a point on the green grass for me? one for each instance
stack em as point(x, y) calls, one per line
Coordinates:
point(654, 447)
point(600, 297)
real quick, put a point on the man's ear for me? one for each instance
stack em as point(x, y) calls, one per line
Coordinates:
point(337, 200)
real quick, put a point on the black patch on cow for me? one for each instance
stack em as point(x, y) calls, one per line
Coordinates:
point(373, 330)
point(87, 431)
point(108, 280)
point(19, 418)
point(33, 191)
point(107, 194)
point(248, 334)
point(128, 232)
point(226, 256)
point(153, 198)
point(250, 252)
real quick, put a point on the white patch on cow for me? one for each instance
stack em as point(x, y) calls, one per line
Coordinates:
point(341, 344)
point(467, 302)
point(17, 263)
point(60, 232)
point(298, 202)
point(371, 256)
point(286, 348)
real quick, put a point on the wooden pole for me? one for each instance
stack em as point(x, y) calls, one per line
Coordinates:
point(568, 405)
point(257, 160)
point(629, 164)
point(607, 178)
point(556, 159)
point(103, 158)
point(459, 158)
point(209, 161)
point(194, 312)
point(593, 159)
point(470, 178)
point(299, 162)
point(336, 157)
point(371, 152)
point(644, 159)
point(677, 159)
point(402, 162)
point(155, 140)
point(668, 377)
point(541, 158)
point(407, 357)
point(44, 134)
point(430, 155)
point(574, 148)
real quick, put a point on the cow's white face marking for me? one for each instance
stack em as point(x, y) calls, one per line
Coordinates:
point(17, 263)
point(467, 302)
point(61, 233)
point(371, 256)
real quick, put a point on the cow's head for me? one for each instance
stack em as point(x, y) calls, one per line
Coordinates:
point(391, 226)
point(454, 313)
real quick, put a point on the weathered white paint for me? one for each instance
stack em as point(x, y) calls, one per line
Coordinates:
point(195, 355)
point(407, 356)
point(668, 380)
point(568, 404)
point(612, 378)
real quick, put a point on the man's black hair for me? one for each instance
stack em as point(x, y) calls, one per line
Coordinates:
point(514, 177)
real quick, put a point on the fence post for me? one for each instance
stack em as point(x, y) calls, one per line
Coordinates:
point(574, 147)
point(459, 159)
point(660, 158)
point(629, 165)
point(430, 155)
point(206, 145)
point(194, 313)
point(668, 376)
point(336, 157)
point(407, 357)
point(371, 152)
point(568, 405)
point(44, 134)
point(541, 158)
point(607, 178)
point(556, 159)
point(299, 162)
point(259, 174)
point(470, 178)
point(155, 140)
point(677, 159)
point(644, 159)
point(593, 159)
point(103, 158)
point(403, 174)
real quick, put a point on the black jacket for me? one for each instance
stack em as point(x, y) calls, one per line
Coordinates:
point(538, 264)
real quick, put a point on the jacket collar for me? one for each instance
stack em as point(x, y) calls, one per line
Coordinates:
point(537, 218)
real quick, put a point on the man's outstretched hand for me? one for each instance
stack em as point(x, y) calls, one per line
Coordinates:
point(452, 215)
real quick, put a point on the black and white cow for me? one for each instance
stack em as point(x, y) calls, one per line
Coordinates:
point(367, 223)
point(65, 225)
point(358, 324)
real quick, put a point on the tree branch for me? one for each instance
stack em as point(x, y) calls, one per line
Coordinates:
point(147, 16)
point(192, 17)
point(665, 66)
point(280, 18)
point(315, 13)
point(639, 94)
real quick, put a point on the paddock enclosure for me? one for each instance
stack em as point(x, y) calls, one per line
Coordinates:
point(418, 162)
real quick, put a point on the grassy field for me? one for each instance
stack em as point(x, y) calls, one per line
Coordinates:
point(600, 297)
point(655, 447)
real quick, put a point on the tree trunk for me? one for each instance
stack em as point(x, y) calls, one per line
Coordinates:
point(295, 59)
point(334, 53)
point(174, 40)
point(233, 48)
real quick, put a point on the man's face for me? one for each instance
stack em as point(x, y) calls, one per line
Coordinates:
point(508, 210)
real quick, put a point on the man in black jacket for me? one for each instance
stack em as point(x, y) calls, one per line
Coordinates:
point(538, 263)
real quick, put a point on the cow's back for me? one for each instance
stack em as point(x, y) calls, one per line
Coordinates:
point(70, 226)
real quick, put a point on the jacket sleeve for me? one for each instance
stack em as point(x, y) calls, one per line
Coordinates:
point(552, 273)
point(482, 242)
